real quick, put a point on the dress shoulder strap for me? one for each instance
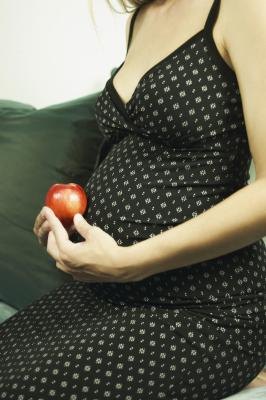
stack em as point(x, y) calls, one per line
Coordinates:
point(212, 15)
point(132, 26)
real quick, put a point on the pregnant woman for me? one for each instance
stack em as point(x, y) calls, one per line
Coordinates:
point(167, 299)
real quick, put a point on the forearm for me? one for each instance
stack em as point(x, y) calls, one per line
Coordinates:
point(235, 222)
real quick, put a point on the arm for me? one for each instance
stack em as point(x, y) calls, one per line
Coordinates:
point(240, 219)
point(233, 223)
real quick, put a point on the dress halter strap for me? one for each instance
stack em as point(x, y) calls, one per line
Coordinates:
point(211, 18)
point(132, 26)
point(212, 15)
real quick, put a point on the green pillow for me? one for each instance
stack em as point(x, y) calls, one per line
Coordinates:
point(258, 393)
point(56, 144)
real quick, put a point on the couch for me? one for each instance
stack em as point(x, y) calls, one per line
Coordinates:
point(39, 147)
point(58, 143)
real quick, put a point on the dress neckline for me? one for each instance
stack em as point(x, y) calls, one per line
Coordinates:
point(205, 32)
point(154, 67)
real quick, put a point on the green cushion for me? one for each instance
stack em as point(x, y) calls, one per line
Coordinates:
point(258, 393)
point(6, 311)
point(38, 148)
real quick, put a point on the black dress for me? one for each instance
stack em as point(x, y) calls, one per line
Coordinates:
point(177, 148)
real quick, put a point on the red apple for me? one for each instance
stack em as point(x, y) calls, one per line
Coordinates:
point(66, 199)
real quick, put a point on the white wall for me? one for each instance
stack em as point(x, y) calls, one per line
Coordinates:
point(51, 52)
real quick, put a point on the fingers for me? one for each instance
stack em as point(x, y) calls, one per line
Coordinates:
point(42, 228)
point(60, 233)
point(85, 278)
point(43, 232)
point(63, 267)
point(71, 229)
point(75, 275)
point(52, 247)
point(78, 276)
point(38, 222)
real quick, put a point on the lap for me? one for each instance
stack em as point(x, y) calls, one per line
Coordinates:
point(72, 344)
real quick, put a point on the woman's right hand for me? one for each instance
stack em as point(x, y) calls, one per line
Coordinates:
point(42, 228)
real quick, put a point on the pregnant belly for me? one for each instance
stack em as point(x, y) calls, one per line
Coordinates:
point(142, 188)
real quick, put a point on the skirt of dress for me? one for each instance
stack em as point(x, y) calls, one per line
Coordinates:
point(75, 345)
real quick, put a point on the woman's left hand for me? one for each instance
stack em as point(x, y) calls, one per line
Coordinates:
point(97, 259)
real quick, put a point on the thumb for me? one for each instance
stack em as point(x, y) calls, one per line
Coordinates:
point(81, 225)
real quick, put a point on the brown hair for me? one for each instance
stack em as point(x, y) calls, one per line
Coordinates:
point(132, 3)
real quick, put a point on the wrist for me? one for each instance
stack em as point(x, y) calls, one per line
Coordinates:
point(138, 260)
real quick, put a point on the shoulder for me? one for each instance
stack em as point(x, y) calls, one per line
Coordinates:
point(243, 24)
point(244, 35)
